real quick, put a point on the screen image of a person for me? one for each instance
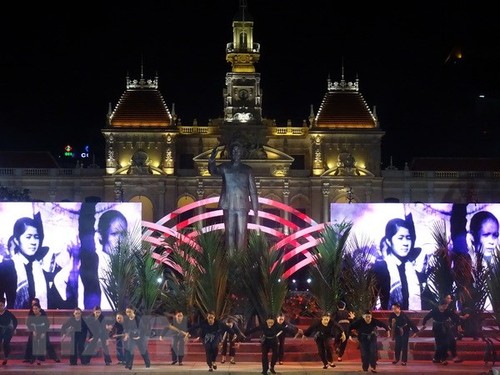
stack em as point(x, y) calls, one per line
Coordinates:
point(483, 236)
point(23, 276)
point(98, 242)
point(398, 278)
point(484, 232)
point(111, 231)
point(238, 195)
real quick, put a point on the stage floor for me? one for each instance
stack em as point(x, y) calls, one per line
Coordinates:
point(17, 367)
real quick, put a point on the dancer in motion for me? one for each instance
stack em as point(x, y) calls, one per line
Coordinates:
point(401, 325)
point(8, 325)
point(366, 329)
point(325, 330)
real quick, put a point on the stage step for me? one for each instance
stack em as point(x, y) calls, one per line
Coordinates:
point(296, 349)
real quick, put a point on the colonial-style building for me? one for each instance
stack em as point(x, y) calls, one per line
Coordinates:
point(332, 156)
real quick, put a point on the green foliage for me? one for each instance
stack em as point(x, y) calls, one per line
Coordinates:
point(178, 291)
point(326, 272)
point(145, 294)
point(121, 278)
point(440, 281)
point(358, 280)
point(261, 273)
point(210, 291)
point(493, 282)
point(478, 293)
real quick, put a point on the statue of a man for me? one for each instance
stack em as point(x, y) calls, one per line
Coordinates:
point(238, 195)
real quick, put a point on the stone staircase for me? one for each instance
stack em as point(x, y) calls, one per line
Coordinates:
point(297, 349)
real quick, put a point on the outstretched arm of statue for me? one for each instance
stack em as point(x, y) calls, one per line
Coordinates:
point(212, 166)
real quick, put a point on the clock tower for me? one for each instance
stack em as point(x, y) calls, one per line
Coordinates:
point(242, 95)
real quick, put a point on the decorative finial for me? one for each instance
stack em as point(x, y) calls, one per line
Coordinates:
point(142, 67)
point(342, 75)
point(243, 6)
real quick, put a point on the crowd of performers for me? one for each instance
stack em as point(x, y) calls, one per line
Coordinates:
point(87, 335)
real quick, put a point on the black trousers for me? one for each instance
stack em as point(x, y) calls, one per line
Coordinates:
point(130, 346)
point(401, 347)
point(324, 346)
point(269, 345)
point(368, 349)
point(5, 338)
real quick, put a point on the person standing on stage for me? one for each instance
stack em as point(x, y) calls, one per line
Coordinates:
point(325, 330)
point(179, 327)
point(77, 330)
point(38, 325)
point(344, 318)
point(288, 328)
point(269, 342)
point(8, 325)
point(366, 329)
point(116, 333)
point(135, 335)
point(98, 336)
point(210, 331)
point(443, 320)
point(401, 325)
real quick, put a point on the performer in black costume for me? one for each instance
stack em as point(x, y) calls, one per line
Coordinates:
point(210, 331)
point(288, 328)
point(8, 325)
point(401, 325)
point(344, 318)
point(269, 342)
point(180, 334)
point(76, 328)
point(366, 328)
point(443, 319)
point(325, 330)
point(136, 334)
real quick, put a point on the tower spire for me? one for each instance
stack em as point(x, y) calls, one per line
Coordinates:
point(243, 7)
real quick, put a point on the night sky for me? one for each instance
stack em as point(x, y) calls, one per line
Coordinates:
point(60, 68)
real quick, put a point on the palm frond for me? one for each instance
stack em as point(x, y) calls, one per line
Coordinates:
point(120, 278)
point(440, 280)
point(148, 288)
point(326, 272)
point(494, 284)
point(210, 292)
point(358, 280)
point(262, 277)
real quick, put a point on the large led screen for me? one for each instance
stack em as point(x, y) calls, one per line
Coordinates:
point(401, 238)
point(60, 252)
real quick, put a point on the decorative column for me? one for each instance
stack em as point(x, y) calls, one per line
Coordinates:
point(286, 200)
point(318, 167)
point(168, 161)
point(200, 191)
point(111, 164)
point(118, 191)
point(325, 190)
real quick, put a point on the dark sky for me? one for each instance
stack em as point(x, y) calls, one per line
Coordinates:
point(61, 67)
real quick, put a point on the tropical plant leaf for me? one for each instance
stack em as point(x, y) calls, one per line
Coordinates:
point(210, 278)
point(149, 276)
point(358, 280)
point(326, 272)
point(441, 279)
point(262, 277)
point(493, 281)
point(121, 276)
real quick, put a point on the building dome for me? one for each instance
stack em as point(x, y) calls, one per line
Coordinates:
point(343, 107)
point(140, 106)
